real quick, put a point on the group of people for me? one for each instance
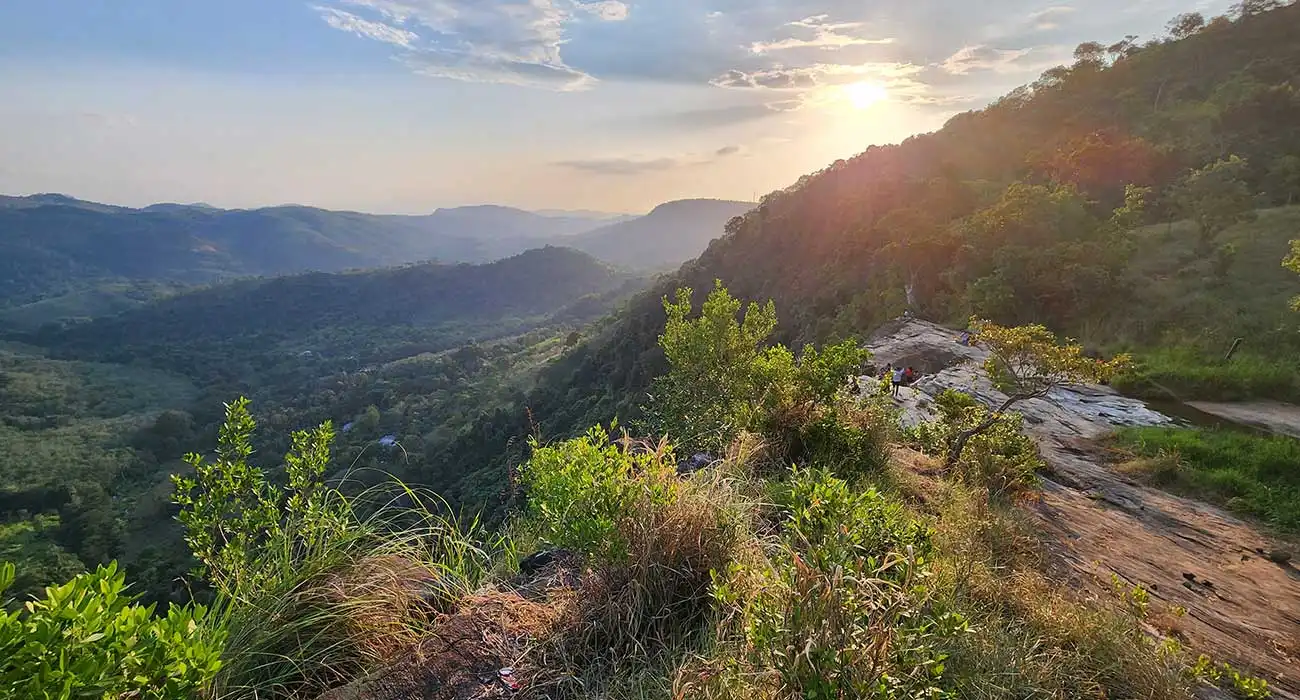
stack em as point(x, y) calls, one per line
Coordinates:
point(892, 378)
point(896, 377)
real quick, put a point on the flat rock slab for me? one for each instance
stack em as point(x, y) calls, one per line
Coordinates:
point(1273, 416)
point(1241, 607)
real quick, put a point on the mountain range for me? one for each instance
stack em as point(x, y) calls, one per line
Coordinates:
point(53, 245)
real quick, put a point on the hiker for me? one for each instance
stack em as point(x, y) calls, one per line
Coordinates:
point(965, 338)
point(909, 376)
point(899, 375)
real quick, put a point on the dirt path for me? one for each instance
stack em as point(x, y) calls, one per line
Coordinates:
point(1281, 418)
point(1241, 607)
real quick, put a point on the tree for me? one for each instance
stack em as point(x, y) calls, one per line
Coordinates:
point(1185, 25)
point(1249, 8)
point(1216, 197)
point(1029, 362)
point(1284, 179)
point(720, 374)
point(1090, 53)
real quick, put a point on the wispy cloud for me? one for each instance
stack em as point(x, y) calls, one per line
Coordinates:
point(379, 31)
point(815, 75)
point(1050, 18)
point(608, 10)
point(819, 32)
point(624, 166)
point(506, 41)
point(970, 59)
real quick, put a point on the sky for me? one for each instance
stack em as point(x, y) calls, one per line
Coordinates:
point(404, 106)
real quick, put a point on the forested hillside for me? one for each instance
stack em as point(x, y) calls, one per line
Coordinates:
point(1057, 204)
point(94, 419)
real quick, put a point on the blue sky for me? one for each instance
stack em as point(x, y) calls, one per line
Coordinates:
point(408, 105)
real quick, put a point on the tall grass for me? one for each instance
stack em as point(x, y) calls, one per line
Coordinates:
point(1185, 373)
point(336, 608)
point(1029, 637)
point(1255, 475)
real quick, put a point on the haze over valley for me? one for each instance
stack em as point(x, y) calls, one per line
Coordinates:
point(798, 349)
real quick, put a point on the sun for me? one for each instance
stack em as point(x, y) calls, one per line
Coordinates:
point(864, 95)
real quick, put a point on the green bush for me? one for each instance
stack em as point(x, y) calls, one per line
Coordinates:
point(852, 440)
point(834, 524)
point(318, 587)
point(89, 638)
point(1003, 459)
point(724, 380)
point(579, 491)
point(843, 610)
point(233, 514)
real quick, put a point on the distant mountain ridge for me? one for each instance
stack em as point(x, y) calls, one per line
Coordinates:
point(52, 244)
point(668, 236)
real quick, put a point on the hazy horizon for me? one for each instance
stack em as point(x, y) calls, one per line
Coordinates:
point(405, 106)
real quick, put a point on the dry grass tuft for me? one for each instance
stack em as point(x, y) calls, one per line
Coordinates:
point(386, 603)
point(661, 591)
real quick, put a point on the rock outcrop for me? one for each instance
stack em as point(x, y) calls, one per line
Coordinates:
point(1242, 606)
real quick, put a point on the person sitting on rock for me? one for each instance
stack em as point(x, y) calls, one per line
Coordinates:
point(964, 339)
point(909, 376)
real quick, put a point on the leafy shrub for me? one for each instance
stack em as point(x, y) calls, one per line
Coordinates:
point(581, 490)
point(233, 514)
point(89, 638)
point(1002, 458)
point(654, 539)
point(318, 587)
point(852, 440)
point(833, 524)
point(843, 610)
point(724, 380)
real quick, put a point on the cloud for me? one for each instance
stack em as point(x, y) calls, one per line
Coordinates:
point(922, 53)
point(608, 10)
point(970, 59)
point(379, 31)
point(818, 32)
point(503, 41)
point(779, 78)
point(1049, 18)
point(108, 121)
point(621, 166)
point(705, 118)
point(820, 74)
point(625, 166)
